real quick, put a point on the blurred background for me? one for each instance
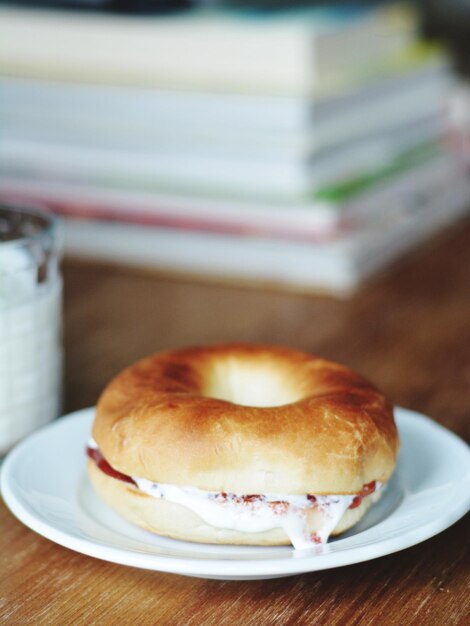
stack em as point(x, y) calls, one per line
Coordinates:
point(276, 157)
point(305, 145)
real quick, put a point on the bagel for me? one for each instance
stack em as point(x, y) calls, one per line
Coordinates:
point(242, 444)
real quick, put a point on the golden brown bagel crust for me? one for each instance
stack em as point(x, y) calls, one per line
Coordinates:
point(332, 433)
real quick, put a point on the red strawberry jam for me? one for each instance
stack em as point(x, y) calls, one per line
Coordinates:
point(366, 491)
point(104, 466)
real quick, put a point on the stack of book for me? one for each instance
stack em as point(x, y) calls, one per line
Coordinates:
point(457, 116)
point(300, 148)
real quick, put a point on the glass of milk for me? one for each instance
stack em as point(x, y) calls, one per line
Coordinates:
point(30, 322)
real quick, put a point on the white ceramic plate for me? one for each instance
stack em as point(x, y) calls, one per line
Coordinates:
point(44, 484)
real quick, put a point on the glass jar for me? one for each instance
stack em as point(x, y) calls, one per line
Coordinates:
point(30, 322)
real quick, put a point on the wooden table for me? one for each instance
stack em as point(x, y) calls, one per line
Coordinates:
point(409, 332)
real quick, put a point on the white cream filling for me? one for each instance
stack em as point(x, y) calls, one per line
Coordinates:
point(292, 513)
point(289, 512)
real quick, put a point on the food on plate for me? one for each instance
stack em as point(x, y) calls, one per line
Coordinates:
point(242, 444)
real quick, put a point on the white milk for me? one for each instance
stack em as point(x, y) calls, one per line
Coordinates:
point(30, 341)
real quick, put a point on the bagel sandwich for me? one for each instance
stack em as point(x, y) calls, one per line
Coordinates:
point(241, 444)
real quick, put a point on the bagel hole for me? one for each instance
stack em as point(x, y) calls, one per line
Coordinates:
point(250, 384)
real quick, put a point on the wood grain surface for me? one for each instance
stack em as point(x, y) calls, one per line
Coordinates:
point(409, 332)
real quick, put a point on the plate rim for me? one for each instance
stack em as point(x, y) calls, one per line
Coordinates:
point(223, 568)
